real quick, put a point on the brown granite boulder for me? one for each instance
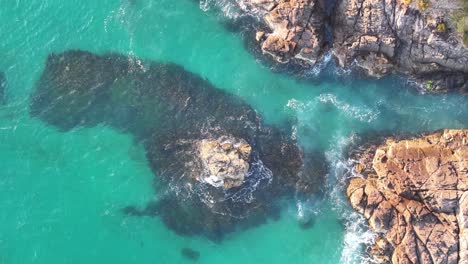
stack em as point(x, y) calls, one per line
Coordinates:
point(296, 29)
point(225, 161)
point(414, 194)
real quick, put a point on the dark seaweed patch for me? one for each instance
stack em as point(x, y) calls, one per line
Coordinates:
point(190, 254)
point(168, 110)
point(307, 223)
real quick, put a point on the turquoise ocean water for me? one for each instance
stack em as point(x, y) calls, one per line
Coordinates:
point(61, 194)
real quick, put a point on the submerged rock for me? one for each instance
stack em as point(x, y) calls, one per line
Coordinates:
point(190, 254)
point(414, 194)
point(416, 38)
point(219, 166)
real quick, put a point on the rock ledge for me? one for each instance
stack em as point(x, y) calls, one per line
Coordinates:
point(414, 194)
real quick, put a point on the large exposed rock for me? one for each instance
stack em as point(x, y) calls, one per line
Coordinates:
point(419, 38)
point(296, 29)
point(217, 165)
point(414, 194)
point(226, 161)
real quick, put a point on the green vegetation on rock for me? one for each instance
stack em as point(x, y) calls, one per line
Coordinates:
point(460, 20)
point(423, 5)
point(429, 85)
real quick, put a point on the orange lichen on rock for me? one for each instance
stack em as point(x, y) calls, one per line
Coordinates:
point(414, 194)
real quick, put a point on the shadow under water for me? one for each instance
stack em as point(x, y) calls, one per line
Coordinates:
point(190, 254)
point(171, 111)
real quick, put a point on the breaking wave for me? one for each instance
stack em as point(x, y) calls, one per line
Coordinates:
point(361, 113)
point(357, 235)
point(228, 8)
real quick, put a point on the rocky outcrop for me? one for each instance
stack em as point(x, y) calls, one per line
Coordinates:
point(414, 194)
point(225, 161)
point(423, 39)
point(295, 29)
point(217, 165)
point(418, 38)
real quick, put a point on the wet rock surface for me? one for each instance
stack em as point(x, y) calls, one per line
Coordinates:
point(218, 166)
point(414, 194)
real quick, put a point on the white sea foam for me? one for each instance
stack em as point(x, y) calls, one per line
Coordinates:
point(123, 16)
point(357, 235)
point(319, 67)
point(228, 8)
point(119, 15)
point(362, 113)
point(258, 174)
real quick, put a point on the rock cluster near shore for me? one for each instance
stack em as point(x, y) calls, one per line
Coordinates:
point(424, 39)
point(414, 194)
point(296, 29)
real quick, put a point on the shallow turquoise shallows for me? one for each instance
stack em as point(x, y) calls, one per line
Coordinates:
point(61, 194)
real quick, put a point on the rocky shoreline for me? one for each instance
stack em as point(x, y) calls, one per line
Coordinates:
point(425, 40)
point(414, 194)
point(297, 29)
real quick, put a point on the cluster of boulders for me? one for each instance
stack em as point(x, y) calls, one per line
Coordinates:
point(217, 163)
point(421, 39)
point(416, 38)
point(414, 193)
point(226, 161)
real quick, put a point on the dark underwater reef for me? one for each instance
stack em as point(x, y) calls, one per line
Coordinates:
point(170, 111)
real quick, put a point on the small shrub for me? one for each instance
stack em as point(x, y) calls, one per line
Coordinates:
point(429, 85)
point(460, 20)
point(406, 2)
point(423, 5)
point(441, 28)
